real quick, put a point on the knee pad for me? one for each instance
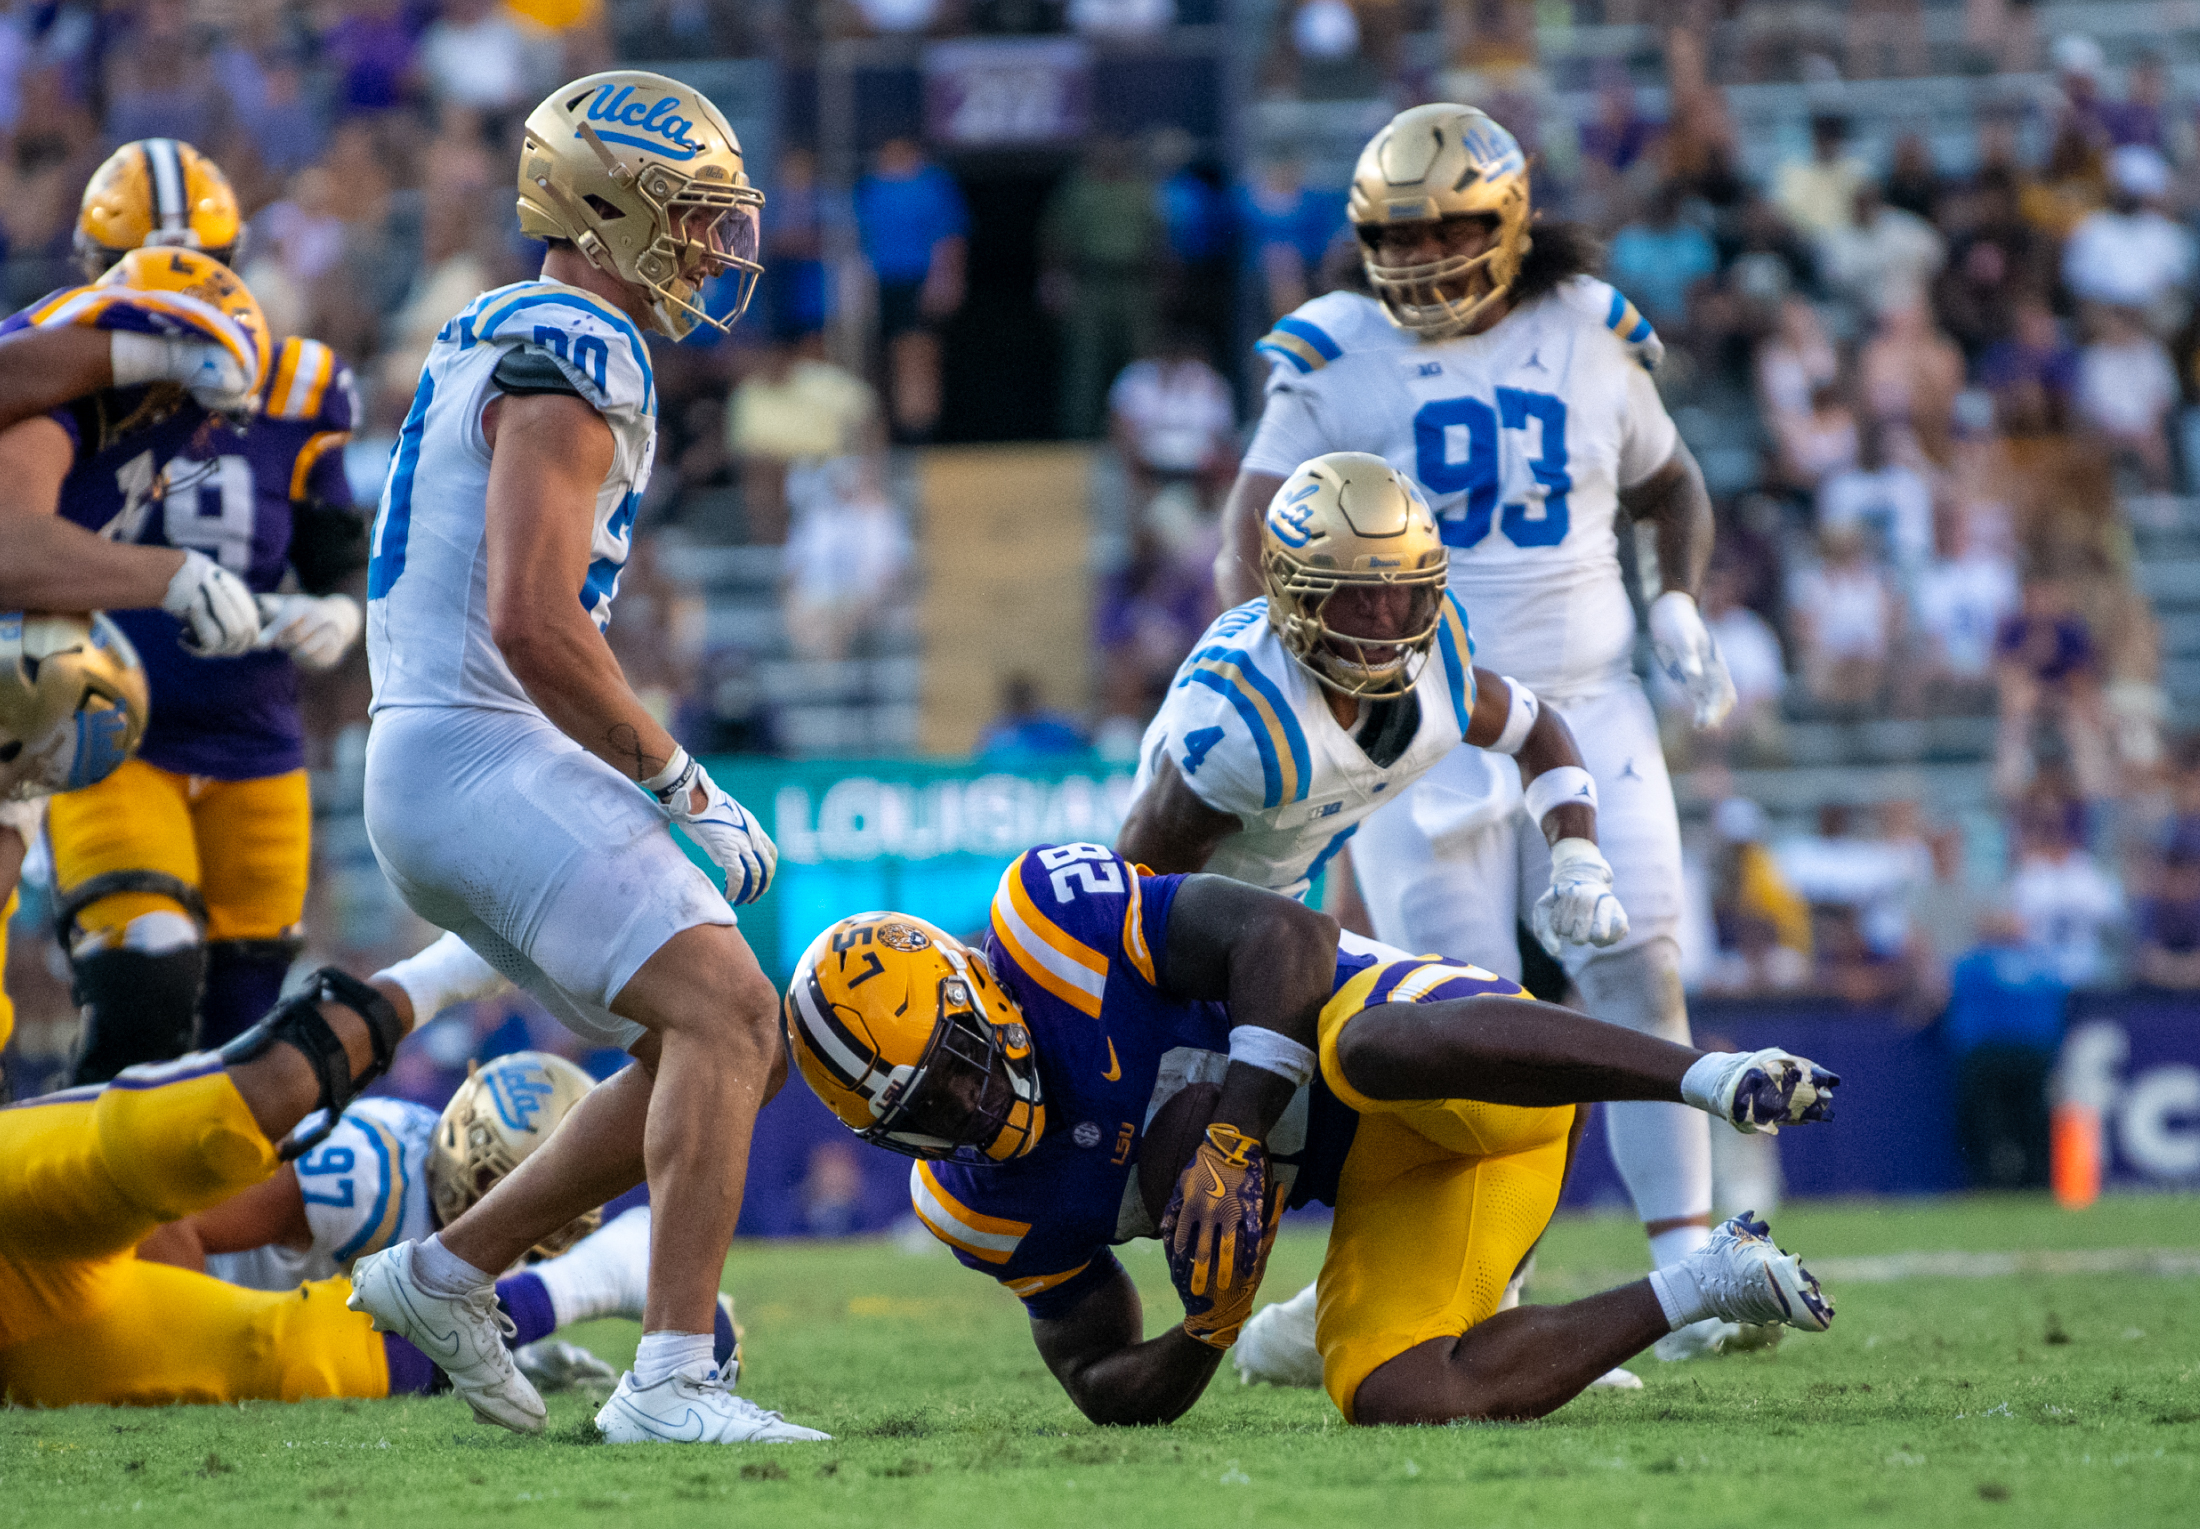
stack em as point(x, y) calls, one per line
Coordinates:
point(297, 1023)
point(244, 979)
point(138, 1007)
point(1639, 987)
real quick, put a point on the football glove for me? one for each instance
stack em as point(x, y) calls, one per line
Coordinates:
point(207, 371)
point(315, 630)
point(726, 831)
point(1217, 1231)
point(1579, 909)
point(221, 619)
point(1760, 1091)
point(1689, 655)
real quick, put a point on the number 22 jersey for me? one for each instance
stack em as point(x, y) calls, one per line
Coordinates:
point(1521, 438)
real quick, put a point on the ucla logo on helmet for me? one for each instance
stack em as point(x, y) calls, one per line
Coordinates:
point(519, 1092)
point(1494, 149)
point(1292, 521)
point(667, 132)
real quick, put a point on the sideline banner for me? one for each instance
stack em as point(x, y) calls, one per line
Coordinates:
point(2136, 1058)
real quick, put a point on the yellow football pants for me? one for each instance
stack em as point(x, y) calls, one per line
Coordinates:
point(245, 844)
point(1438, 1203)
point(7, 1004)
point(84, 1176)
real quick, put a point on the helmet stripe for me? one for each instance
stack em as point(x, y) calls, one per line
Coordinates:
point(829, 1040)
point(171, 203)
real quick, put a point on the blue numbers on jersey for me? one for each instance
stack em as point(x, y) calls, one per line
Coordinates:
point(1456, 449)
point(587, 351)
point(393, 527)
point(1092, 866)
point(327, 1163)
point(1196, 745)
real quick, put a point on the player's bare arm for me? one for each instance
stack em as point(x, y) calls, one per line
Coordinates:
point(550, 454)
point(1676, 501)
point(1169, 829)
point(50, 564)
point(271, 1211)
point(1237, 565)
point(42, 369)
point(1548, 745)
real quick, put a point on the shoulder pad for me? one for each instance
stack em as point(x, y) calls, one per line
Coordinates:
point(1271, 764)
point(1608, 306)
point(1325, 329)
point(309, 382)
point(597, 346)
point(1064, 912)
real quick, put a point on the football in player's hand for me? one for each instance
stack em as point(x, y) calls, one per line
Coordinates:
point(1172, 1138)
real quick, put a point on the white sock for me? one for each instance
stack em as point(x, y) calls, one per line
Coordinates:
point(439, 1271)
point(1670, 1247)
point(663, 1355)
point(606, 1274)
point(445, 973)
point(1679, 1295)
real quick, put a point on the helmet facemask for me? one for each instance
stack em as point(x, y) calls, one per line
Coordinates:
point(1365, 668)
point(975, 1094)
point(1440, 298)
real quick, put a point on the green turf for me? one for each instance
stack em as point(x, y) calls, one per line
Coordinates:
point(2051, 1400)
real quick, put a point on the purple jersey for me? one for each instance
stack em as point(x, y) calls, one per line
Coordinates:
point(186, 479)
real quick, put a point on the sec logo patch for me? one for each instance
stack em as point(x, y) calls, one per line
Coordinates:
point(1086, 1135)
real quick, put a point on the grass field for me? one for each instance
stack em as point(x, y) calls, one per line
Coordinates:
point(1963, 1396)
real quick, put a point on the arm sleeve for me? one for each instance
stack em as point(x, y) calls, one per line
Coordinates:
point(1647, 434)
point(1290, 430)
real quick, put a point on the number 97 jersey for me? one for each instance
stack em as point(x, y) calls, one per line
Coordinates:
point(1521, 438)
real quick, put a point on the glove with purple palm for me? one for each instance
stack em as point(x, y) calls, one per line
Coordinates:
point(1217, 1231)
point(1760, 1091)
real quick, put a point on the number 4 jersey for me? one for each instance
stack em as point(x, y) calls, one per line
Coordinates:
point(1521, 437)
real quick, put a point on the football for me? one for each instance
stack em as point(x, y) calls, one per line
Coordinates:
point(1172, 1137)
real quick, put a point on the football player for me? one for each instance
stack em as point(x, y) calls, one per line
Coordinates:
point(182, 877)
point(1514, 389)
point(506, 748)
point(392, 1170)
point(1429, 1102)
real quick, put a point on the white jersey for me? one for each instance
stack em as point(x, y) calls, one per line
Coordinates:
point(1521, 438)
point(428, 639)
point(1252, 734)
point(365, 1188)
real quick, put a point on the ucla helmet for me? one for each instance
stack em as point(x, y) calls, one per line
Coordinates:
point(72, 702)
point(156, 191)
point(1431, 163)
point(1346, 520)
point(502, 1112)
point(643, 176)
point(904, 1034)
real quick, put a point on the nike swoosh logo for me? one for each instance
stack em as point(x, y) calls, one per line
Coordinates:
point(1219, 1189)
point(1114, 1073)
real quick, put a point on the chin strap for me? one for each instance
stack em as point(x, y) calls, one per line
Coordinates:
point(298, 1023)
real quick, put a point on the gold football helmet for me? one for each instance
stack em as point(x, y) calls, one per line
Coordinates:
point(502, 1112)
point(1349, 520)
point(156, 191)
point(1431, 163)
point(643, 176)
point(176, 291)
point(902, 1031)
point(72, 702)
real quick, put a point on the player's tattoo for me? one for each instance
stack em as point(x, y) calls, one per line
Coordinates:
point(626, 744)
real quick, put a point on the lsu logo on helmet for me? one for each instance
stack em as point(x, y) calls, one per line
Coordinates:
point(504, 1111)
point(73, 702)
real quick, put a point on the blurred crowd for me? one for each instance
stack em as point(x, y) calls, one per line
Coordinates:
point(1931, 389)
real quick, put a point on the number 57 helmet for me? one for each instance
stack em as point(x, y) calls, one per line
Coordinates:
point(643, 176)
point(903, 1033)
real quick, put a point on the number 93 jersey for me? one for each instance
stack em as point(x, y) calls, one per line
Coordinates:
point(1520, 437)
point(428, 639)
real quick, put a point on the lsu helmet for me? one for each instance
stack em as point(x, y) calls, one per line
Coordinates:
point(72, 702)
point(643, 176)
point(156, 191)
point(1344, 520)
point(904, 1034)
point(502, 1112)
point(171, 292)
point(1434, 162)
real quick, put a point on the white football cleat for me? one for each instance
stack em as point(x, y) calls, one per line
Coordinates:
point(462, 1335)
point(1276, 1345)
point(693, 1406)
point(1745, 1279)
point(1617, 1378)
point(550, 1364)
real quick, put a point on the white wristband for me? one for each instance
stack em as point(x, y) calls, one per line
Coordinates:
point(665, 781)
point(1519, 722)
point(1568, 785)
point(1270, 1052)
point(1700, 1084)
